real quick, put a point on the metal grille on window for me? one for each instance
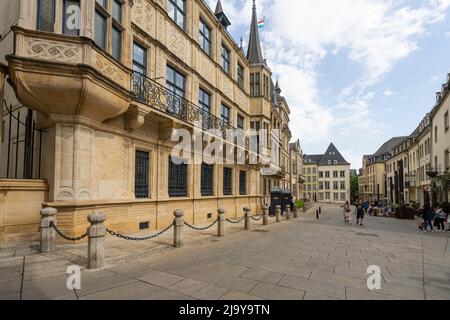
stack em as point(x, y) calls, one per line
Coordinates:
point(207, 180)
point(141, 189)
point(227, 181)
point(177, 179)
point(242, 183)
point(46, 15)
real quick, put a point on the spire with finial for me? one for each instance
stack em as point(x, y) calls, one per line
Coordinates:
point(254, 52)
point(221, 15)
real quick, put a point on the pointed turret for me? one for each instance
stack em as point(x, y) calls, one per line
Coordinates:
point(254, 53)
point(221, 15)
point(277, 87)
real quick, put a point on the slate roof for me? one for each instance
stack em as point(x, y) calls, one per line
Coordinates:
point(254, 53)
point(332, 154)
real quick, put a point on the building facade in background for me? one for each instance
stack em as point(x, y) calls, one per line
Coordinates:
point(327, 177)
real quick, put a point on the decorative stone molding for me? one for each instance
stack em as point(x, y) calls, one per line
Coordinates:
point(136, 116)
point(84, 80)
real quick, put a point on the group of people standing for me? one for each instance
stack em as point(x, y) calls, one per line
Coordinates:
point(360, 211)
point(433, 218)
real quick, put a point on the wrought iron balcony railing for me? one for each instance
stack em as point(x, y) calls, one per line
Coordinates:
point(155, 95)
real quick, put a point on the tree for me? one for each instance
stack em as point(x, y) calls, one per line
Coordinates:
point(354, 193)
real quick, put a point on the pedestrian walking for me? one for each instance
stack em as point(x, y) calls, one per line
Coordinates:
point(346, 208)
point(348, 216)
point(359, 214)
point(427, 216)
point(439, 219)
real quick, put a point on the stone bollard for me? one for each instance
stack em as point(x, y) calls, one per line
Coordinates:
point(220, 222)
point(278, 213)
point(296, 213)
point(47, 232)
point(247, 218)
point(288, 212)
point(178, 224)
point(96, 241)
point(266, 216)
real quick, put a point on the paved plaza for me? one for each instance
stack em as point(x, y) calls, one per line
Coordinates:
point(300, 259)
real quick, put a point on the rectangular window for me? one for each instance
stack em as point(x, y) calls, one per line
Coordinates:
point(227, 181)
point(240, 75)
point(117, 11)
point(447, 160)
point(103, 3)
point(177, 11)
point(335, 174)
point(225, 114)
point(225, 59)
point(342, 185)
point(242, 183)
point(343, 197)
point(320, 174)
point(327, 174)
point(342, 174)
point(205, 37)
point(446, 121)
point(257, 84)
point(46, 15)
point(116, 43)
point(141, 180)
point(69, 7)
point(175, 81)
point(252, 84)
point(335, 196)
point(207, 180)
point(335, 185)
point(177, 178)
point(240, 122)
point(100, 30)
point(435, 134)
point(327, 185)
point(327, 195)
point(139, 59)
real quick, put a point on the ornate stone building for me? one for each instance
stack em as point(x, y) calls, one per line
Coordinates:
point(327, 177)
point(91, 105)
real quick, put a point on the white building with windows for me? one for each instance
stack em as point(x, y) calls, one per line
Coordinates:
point(332, 177)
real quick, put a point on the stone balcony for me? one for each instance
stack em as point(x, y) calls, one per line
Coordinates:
point(63, 75)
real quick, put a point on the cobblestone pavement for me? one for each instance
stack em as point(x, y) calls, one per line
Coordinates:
point(299, 259)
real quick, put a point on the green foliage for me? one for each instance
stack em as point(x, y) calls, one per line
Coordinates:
point(354, 189)
point(299, 204)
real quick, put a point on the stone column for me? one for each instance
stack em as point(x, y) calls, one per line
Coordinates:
point(278, 213)
point(247, 218)
point(288, 212)
point(48, 233)
point(96, 241)
point(220, 222)
point(266, 215)
point(178, 224)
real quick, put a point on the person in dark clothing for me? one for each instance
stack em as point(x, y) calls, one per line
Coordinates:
point(428, 216)
point(359, 214)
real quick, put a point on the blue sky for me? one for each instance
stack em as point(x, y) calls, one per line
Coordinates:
point(354, 72)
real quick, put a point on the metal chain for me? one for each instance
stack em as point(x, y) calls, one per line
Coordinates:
point(236, 222)
point(124, 237)
point(66, 237)
point(200, 229)
point(257, 219)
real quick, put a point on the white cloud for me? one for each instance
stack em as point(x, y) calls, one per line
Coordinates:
point(372, 34)
point(388, 93)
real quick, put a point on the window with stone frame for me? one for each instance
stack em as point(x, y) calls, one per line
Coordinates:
point(45, 15)
point(207, 178)
point(228, 181)
point(177, 12)
point(205, 37)
point(242, 183)
point(178, 178)
point(108, 26)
